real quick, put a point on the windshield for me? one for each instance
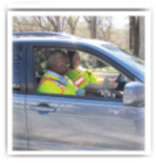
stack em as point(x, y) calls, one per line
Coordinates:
point(123, 54)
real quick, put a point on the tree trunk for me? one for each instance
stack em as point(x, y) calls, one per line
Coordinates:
point(57, 22)
point(92, 25)
point(72, 22)
point(134, 35)
point(142, 37)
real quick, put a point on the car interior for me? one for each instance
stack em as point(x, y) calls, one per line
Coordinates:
point(101, 69)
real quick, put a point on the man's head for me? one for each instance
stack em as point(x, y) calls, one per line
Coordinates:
point(74, 59)
point(58, 62)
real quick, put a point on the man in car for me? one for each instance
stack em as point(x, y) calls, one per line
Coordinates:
point(54, 80)
point(85, 79)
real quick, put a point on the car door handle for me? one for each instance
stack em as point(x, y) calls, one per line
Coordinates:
point(43, 108)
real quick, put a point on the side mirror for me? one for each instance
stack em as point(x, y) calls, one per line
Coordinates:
point(134, 94)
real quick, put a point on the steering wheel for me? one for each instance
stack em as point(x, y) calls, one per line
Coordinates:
point(121, 82)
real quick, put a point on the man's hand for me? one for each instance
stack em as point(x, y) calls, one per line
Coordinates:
point(112, 82)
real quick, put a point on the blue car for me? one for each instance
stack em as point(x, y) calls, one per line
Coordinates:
point(110, 121)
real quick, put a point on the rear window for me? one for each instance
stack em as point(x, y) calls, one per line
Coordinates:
point(17, 66)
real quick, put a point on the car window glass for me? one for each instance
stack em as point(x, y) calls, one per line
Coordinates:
point(17, 62)
point(133, 60)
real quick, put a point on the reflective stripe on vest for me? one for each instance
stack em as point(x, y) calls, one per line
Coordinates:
point(79, 81)
point(49, 79)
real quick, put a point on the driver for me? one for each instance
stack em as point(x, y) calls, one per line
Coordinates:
point(54, 79)
point(86, 80)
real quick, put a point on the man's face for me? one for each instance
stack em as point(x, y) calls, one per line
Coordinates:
point(76, 61)
point(63, 65)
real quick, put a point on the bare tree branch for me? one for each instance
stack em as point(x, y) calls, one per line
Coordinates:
point(72, 23)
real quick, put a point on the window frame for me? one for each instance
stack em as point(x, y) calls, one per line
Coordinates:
point(31, 67)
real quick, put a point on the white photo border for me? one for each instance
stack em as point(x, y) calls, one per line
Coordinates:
point(148, 79)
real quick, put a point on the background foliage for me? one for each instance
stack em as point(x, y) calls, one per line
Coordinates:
point(126, 32)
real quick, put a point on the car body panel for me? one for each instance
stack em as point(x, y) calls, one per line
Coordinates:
point(20, 140)
point(82, 123)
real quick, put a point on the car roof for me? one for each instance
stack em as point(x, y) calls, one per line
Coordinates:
point(53, 36)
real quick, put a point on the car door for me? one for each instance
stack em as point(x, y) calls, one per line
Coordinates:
point(57, 122)
point(19, 87)
point(72, 123)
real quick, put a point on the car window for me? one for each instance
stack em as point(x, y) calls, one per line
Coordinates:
point(99, 70)
point(99, 67)
point(17, 63)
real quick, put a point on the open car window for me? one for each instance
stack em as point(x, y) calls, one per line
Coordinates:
point(101, 70)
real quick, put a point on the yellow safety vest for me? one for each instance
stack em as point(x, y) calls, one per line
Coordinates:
point(50, 84)
point(81, 79)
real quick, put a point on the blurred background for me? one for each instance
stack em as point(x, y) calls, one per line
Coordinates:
point(127, 32)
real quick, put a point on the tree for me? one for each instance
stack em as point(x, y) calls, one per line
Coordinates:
point(58, 22)
point(142, 37)
point(42, 23)
point(105, 28)
point(134, 34)
point(72, 22)
point(92, 25)
point(21, 24)
point(16, 25)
